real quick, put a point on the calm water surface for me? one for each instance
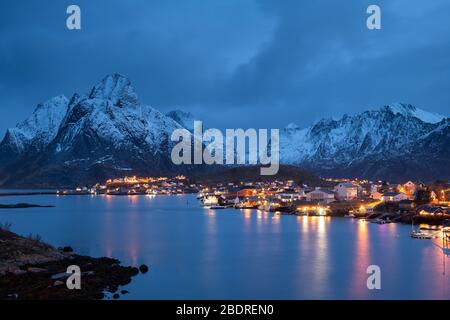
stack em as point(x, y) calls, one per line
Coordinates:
point(196, 253)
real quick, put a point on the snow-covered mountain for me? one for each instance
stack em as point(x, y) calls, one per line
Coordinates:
point(372, 144)
point(91, 137)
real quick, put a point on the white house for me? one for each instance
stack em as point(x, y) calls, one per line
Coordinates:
point(290, 194)
point(394, 197)
point(320, 195)
point(346, 191)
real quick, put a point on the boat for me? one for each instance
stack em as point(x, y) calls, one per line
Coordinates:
point(350, 215)
point(417, 234)
point(420, 235)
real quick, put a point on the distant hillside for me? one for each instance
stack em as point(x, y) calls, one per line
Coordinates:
point(253, 174)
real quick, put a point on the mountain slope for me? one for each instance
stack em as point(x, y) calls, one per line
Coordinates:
point(33, 134)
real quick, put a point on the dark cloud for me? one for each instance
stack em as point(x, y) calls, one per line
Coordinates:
point(233, 63)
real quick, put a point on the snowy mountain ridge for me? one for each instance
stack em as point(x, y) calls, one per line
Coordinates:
point(389, 132)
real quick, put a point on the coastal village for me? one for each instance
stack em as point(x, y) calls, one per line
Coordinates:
point(380, 202)
point(377, 202)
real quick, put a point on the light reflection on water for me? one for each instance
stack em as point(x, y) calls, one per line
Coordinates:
point(196, 253)
point(361, 260)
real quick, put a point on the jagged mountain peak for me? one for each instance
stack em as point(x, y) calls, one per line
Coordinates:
point(112, 115)
point(116, 88)
point(409, 110)
point(185, 119)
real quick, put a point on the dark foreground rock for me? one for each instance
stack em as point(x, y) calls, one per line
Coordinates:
point(143, 268)
point(32, 270)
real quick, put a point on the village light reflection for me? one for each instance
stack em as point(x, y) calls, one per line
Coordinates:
point(211, 213)
point(276, 218)
point(211, 222)
point(259, 215)
point(210, 247)
point(107, 228)
point(362, 260)
point(247, 214)
point(321, 226)
point(132, 230)
point(305, 223)
point(320, 262)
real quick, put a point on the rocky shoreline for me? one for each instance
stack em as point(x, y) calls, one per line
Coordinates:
point(33, 270)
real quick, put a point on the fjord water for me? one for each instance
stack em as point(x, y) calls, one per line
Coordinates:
point(196, 253)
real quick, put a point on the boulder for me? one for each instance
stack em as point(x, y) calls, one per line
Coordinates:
point(143, 268)
point(134, 271)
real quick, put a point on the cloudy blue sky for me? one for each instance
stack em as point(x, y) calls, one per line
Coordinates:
point(233, 63)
